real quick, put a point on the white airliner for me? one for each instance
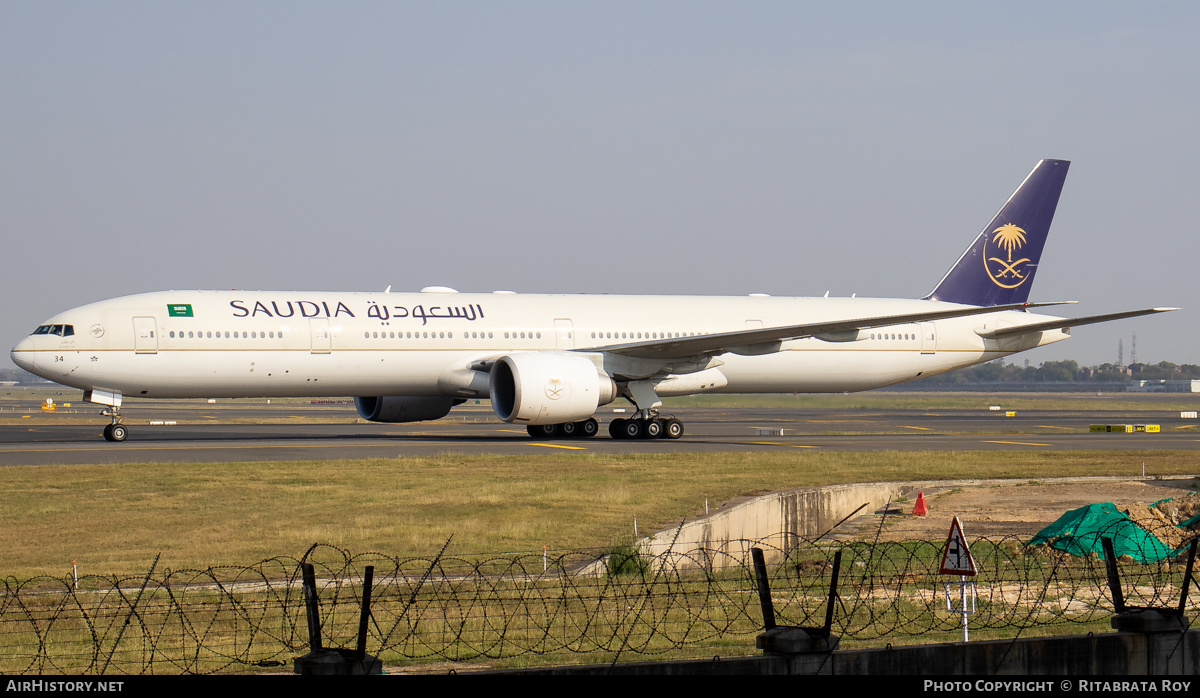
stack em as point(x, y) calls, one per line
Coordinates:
point(550, 361)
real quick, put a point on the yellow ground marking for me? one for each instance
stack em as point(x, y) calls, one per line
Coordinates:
point(776, 443)
point(513, 431)
point(1051, 426)
point(921, 428)
point(573, 448)
point(1015, 443)
point(129, 447)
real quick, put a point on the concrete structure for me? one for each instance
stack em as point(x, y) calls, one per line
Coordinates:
point(800, 513)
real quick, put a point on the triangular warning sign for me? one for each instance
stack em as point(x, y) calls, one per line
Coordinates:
point(956, 558)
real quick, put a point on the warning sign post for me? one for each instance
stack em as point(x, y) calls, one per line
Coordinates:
point(956, 557)
point(957, 560)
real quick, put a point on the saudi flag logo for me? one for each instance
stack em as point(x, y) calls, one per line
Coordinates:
point(182, 310)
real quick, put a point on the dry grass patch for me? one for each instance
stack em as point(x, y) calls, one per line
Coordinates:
point(113, 519)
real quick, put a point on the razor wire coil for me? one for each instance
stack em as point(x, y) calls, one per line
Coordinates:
point(630, 602)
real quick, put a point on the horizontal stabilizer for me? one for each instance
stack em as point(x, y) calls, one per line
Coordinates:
point(1061, 323)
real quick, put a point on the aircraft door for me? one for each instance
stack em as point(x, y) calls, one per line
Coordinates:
point(321, 338)
point(928, 338)
point(564, 334)
point(145, 335)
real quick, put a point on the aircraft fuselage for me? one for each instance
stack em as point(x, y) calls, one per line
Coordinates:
point(180, 344)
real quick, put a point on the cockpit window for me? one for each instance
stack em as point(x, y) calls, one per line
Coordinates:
point(60, 330)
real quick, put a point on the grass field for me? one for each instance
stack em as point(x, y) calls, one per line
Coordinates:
point(113, 519)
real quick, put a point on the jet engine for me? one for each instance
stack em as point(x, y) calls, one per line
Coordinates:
point(548, 388)
point(405, 408)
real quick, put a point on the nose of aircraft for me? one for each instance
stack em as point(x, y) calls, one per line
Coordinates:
point(23, 354)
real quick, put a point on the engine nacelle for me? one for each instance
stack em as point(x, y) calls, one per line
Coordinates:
point(404, 408)
point(548, 388)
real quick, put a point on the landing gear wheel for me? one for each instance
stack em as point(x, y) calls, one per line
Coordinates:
point(569, 430)
point(588, 428)
point(672, 429)
point(616, 428)
point(633, 429)
point(542, 431)
point(115, 432)
point(652, 428)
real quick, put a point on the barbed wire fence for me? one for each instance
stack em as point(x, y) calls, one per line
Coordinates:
point(566, 607)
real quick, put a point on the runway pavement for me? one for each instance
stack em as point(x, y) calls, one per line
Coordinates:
point(206, 434)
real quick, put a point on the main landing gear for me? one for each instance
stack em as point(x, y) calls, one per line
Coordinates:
point(646, 428)
point(115, 431)
point(569, 430)
point(620, 428)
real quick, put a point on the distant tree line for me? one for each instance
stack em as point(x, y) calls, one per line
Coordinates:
point(1067, 371)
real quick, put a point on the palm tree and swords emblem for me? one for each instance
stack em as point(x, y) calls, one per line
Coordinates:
point(1009, 237)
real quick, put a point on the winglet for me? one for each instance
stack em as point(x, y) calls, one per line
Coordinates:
point(998, 267)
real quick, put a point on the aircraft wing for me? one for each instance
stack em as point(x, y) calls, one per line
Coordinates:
point(1061, 323)
point(759, 341)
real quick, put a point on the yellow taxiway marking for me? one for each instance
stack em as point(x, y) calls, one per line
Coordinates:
point(921, 428)
point(129, 447)
point(513, 431)
point(1051, 426)
point(1015, 443)
point(225, 448)
point(776, 443)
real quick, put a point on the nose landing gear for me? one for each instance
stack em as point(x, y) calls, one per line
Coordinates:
point(115, 431)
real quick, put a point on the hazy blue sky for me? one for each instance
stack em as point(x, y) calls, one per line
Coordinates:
point(666, 147)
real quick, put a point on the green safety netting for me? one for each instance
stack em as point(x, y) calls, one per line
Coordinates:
point(1079, 532)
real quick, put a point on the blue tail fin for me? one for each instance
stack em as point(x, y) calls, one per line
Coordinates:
point(998, 268)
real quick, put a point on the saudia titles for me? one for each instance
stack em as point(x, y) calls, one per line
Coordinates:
point(374, 310)
point(998, 249)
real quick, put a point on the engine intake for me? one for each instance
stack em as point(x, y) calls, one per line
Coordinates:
point(547, 388)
